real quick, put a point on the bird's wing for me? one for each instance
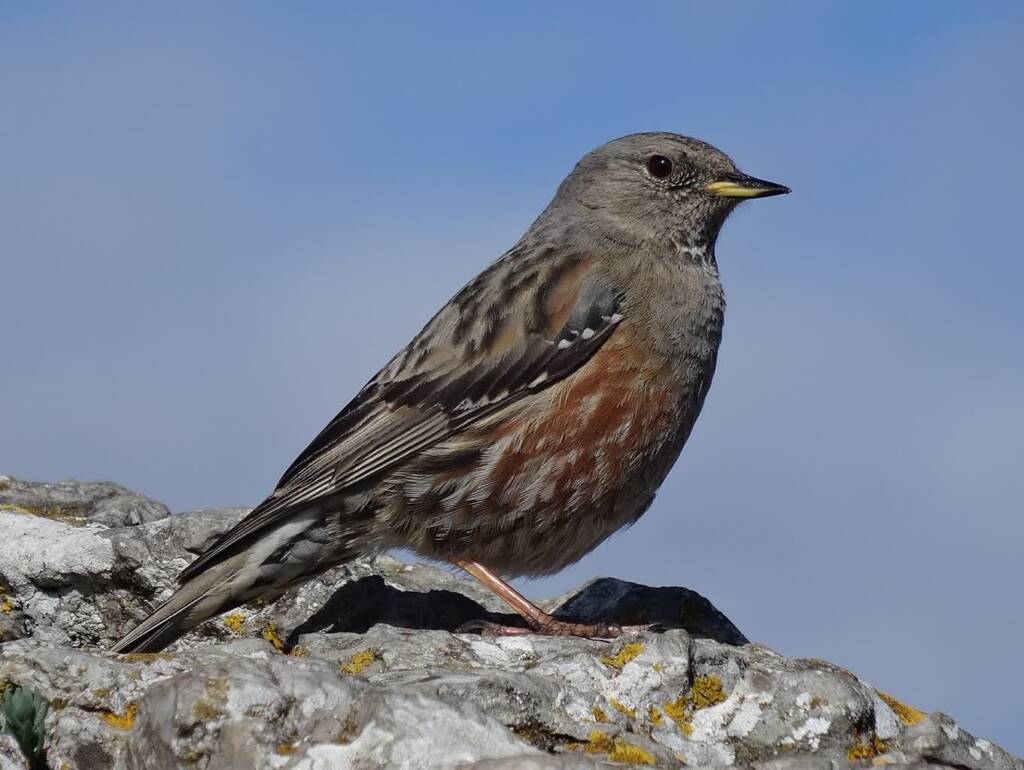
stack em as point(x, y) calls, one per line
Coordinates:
point(521, 326)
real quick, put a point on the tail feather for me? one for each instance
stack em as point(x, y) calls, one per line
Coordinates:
point(203, 597)
point(272, 563)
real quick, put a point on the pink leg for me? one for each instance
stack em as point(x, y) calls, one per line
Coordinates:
point(539, 622)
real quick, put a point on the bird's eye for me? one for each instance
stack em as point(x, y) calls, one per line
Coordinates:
point(659, 166)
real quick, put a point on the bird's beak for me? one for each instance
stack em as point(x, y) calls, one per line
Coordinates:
point(742, 186)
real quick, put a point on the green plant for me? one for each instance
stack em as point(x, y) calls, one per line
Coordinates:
point(23, 715)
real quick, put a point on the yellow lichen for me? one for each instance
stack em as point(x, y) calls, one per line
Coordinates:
point(599, 742)
point(298, 651)
point(270, 634)
point(631, 754)
point(235, 621)
point(679, 712)
point(705, 692)
point(866, 749)
point(599, 715)
point(622, 708)
point(623, 656)
point(7, 606)
point(101, 692)
point(121, 721)
point(192, 756)
point(617, 749)
point(654, 714)
point(284, 749)
point(908, 715)
point(358, 662)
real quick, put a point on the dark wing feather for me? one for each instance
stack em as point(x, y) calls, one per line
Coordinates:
point(437, 387)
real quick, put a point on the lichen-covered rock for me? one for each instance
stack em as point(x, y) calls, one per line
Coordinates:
point(78, 502)
point(366, 666)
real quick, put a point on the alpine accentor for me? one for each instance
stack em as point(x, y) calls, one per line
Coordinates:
point(533, 416)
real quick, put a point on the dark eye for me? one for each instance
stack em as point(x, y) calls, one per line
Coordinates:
point(659, 166)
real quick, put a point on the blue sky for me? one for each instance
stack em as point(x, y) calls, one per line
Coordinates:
point(218, 222)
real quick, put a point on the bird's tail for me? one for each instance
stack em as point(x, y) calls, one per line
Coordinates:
point(275, 561)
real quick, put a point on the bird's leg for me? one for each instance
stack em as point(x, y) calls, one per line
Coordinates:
point(539, 622)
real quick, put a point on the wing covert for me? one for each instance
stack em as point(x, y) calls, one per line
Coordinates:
point(522, 339)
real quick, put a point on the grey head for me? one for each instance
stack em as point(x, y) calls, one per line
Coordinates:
point(655, 187)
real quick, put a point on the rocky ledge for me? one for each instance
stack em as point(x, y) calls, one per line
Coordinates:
point(366, 667)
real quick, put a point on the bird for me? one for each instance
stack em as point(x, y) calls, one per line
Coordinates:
point(533, 416)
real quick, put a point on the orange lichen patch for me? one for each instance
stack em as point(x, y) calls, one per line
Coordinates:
point(286, 749)
point(121, 721)
point(359, 662)
point(271, 635)
point(235, 621)
point(624, 655)
point(908, 715)
point(866, 749)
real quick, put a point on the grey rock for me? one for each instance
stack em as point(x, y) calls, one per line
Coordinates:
point(366, 666)
point(77, 502)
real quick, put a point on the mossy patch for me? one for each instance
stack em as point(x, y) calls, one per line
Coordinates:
point(235, 621)
point(624, 655)
point(360, 662)
point(706, 691)
point(908, 715)
point(123, 721)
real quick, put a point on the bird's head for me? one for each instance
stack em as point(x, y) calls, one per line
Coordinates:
point(658, 186)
